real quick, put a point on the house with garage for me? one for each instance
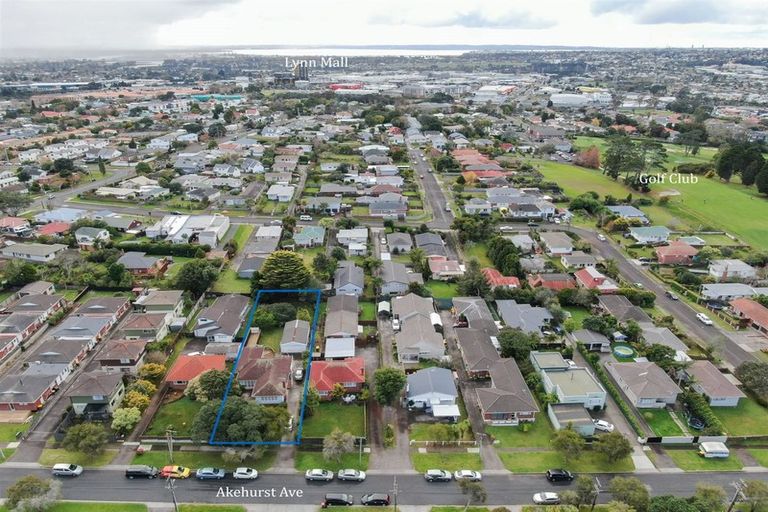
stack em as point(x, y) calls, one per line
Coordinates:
point(149, 326)
point(645, 385)
point(731, 270)
point(593, 341)
point(419, 340)
point(88, 237)
point(28, 389)
point(221, 321)
point(341, 317)
point(573, 416)
point(280, 193)
point(676, 253)
point(507, 401)
point(556, 243)
point(570, 385)
point(477, 352)
point(577, 260)
point(530, 319)
point(726, 292)
point(434, 390)
point(160, 301)
point(33, 253)
point(431, 243)
point(324, 375)
point(751, 313)
point(705, 378)
point(295, 338)
point(310, 236)
point(96, 394)
point(348, 279)
point(266, 379)
point(443, 269)
point(554, 281)
point(140, 265)
point(346, 237)
point(474, 312)
point(628, 212)
point(188, 366)
point(650, 235)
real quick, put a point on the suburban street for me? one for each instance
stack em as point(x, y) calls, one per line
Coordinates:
point(433, 192)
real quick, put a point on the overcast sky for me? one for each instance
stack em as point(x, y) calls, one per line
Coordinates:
point(140, 24)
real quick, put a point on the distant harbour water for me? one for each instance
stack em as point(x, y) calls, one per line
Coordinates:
point(350, 52)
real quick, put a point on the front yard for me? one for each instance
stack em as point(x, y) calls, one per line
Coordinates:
point(690, 460)
point(530, 435)
point(51, 456)
point(540, 461)
point(305, 460)
point(749, 418)
point(347, 418)
point(451, 461)
point(8, 431)
point(661, 422)
point(178, 414)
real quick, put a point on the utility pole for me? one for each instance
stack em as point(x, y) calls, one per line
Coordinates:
point(171, 486)
point(598, 489)
point(394, 493)
point(738, 495)
point(169, 432)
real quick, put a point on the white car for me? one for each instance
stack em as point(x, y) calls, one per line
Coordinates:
point(546, 498)
point(245, 474)
point(383, 241)
point(306, 218)
point(352, 475)
point(704, 319)
point(603, 426)
point(571, 363)
point(467, 474)
point(601, 237)
point(321, 475)
point(395, 324)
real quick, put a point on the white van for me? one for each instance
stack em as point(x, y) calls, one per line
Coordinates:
point(713, 450)
point(307, 218)
point(66, 470)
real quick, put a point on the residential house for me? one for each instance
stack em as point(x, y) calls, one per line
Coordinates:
point(346, 237)
point(399, 242)
point(525, 243)
point(752, 313)
point(653, 335)
point(556, 243)
point(151, 326)
point(418, 340)
point(348, 279)
point(592, 279)
point(620, 307)
point(295, 338)
point(676, 253)
point(250, 264)
point(706, 379)
point(269, 232)
point(650, 235)
point(548, 361)
point(574, 386)
point(341, 317)
point(139, 264)
point(431, 243)
point(187, 367)
point(87, 237)
point(478, 206)
point(645, 384)
point(34, 253)
point(122, 356)
point(326, 205)
point(578, 259)
point(592, 341)
point(280, 193)
point(324, 375)
point(726, 292)
point(477, 352)
point(530, 319)
point(629, 212)
point(432, 389)
point(495, 279)
point(444, 269)
point(507, 401)
point(310, 236)
point(221, 321)
point(54, 229)
point(66, 215)
point(572, 416)
point(731, 270)
point(267, 379)
point(29, 388)
point(15, 226)
point(112, 308)
point(396, 277)
point(96, 394)
point(160, 301)
point(474, 312)
point(554, 282)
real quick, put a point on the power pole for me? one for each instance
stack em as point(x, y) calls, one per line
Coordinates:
point(169, 440)
point(394, 493)
point(171, 486)
point(738, 495)
point(597, 489)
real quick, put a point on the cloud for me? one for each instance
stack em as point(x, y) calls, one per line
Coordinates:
point(478, 19)
point(93, 23)
point(685, 12)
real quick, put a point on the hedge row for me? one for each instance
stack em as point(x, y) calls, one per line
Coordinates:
point(700, 408)
point(614, 392)
point(166, 248)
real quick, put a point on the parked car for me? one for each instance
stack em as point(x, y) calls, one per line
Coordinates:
point(141, 471)
point(546, 498)
point(298, 374)
point(601, 237)
point(318, 475)
point(245, 474)
point(559, 475)
point(383, 241)
point(307, 218)
point(276, 222)
point(337, 500)
point(704, 319)
point(175, 472)
point(603, 425)
point(376, 499)
point(467, 474)
point(571, 363)
point(437, 475)
point(695, 422)
point(66, 470)
point(352, 475)
point(395, 324)
point(671, 295)
point(209, 474)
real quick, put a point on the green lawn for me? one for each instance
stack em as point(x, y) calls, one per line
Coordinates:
point(578, 314)
point(173, 269)
point(459, 509)
point(309, 254)
point(179, 413)
point(690, 460)
point(87, 506)
point(51, 456)
point(749, 418)
point(540, 461)
point(442, 290)
point(305, 460)
point(450, 461)
point(367, 311)
point(8, 431)
point(228, 282)
point(271, 338)
point(211, 508)
point(8, 452)
point(576, 180)
point(242, 234)
point(348, 418)
point(537, 435)
point(479, 253)
point(661, 422)
point(192, 459)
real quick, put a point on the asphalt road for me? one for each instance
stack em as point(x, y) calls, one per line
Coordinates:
point(441, 219)
point(111, 485)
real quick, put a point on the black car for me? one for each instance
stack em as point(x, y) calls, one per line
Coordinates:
point(141, 471)
point(438, 475)
point(559, 475)
point(376, 499)
point(338, 500)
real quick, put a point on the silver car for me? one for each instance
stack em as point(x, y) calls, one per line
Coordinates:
point(318, 475)
point(352, 475)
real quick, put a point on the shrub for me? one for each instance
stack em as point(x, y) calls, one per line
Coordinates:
point(700, 408)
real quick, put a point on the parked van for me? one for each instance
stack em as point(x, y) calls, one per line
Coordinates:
point(141, 471)
point(66, 470)
point(305, 217)
point(713, 450)
point(337, 500)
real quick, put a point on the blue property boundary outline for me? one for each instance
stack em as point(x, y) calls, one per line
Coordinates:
point(246, 334)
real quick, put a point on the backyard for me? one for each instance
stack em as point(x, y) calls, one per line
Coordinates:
point(270, 338)
point(329, 416)
point(442, 290)
point(478, 252)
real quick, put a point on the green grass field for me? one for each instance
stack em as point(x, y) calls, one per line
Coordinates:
point(749, 418)
point(228, 282)
point(242, 234)
point(173, 269)
point(367, 311)
point(348, 418)
point(450, 461)
point(194, 460)
point(760, 454)
point(51, 456)
point(540, 461)
point(690, 460)
point(211, 508)
point(661, 422)
point(478, 252)
point(271, 338)
point(179, 413)
point(578, 314)
point(305, 460)
point(8, 431)
point(537, 435)
point(675, 153)
point(442, 290)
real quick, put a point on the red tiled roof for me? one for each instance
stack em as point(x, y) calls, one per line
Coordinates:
point(54, 228)
point(187, 367)
point(326, 374)
point(496, 278)
point(676, 248)
point(12, 222)
point(751, 309)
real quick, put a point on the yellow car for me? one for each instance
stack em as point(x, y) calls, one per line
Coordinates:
point(175, 472)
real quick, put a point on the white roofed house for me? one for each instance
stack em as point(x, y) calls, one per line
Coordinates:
point(433, 389)
point(88, 237)
point(731, 270)
point(280, 193)
point(352, 236)
point(35, 253)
